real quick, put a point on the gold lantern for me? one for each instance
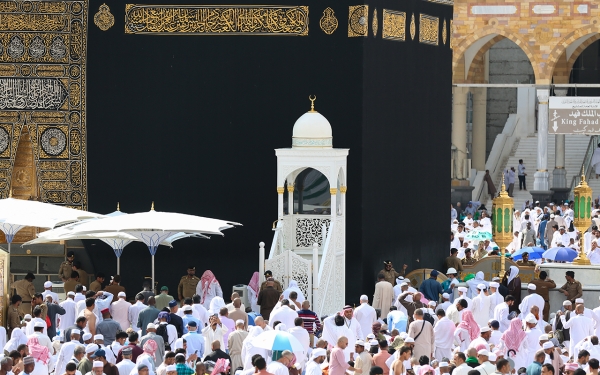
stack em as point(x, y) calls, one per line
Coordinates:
point(582, 200)
point(502, 210)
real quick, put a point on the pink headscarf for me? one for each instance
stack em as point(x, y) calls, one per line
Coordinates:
point(207, 278)
point(426, 368)
point(514, 335)
point(150, 347)
point(38, 351)
point(254, 282)
point(468, 323)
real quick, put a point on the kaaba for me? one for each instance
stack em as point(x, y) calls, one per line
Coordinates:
point(183, 105)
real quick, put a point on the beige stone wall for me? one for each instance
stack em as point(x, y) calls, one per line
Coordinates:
point(552, 41)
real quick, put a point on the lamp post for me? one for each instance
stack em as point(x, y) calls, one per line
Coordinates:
point(502, 209)
point(582, 212)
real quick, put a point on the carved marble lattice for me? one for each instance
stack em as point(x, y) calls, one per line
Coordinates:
point(310, 231)
point(42, 90)
point(394, 25)
point(277, 266)
point(326, 296)
point(429, 29)
point(301, 271)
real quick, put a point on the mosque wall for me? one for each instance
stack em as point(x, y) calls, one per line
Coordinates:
point(186, 104)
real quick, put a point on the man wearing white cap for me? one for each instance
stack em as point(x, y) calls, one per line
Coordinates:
point(317, 358)
point(443, 331)
point(68, 318)
point(365, 314)
point(445, 302)
point(494, 296)
point(485, 367)
point(38, 332)
point(579, 326)
point(483, 340)
point(48, 292)
point(97, 367)
point(235, 344)
point(481, 306)
point(67, 350)
point(588, 313)
point(160, 342)
point(533, 299)
point(119, 310)
point(448, 284)
point(552, 355)
point(533, 334)
point(362, 359)
point(462, 294)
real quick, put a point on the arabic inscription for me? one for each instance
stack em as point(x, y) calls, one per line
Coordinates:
point(216, 20)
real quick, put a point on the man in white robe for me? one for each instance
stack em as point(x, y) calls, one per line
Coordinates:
point(68, 318)
point(501, 312)
point(495, 297)
point(481, 306)
point(532, 336)
point(462, 294)
point(384, 295)
point(284, 314)
point(473, 284)
point(208, 288)
point(134, 310)
point(314, 365)
point(120, 311)
point(332, 332)
point(485, 333)
point(366, 316)
point(299, 332)
point(533, 299)
point(443, 332)
point(445, 302)
point(353, 324)
point(579, 326)
point(48, 292)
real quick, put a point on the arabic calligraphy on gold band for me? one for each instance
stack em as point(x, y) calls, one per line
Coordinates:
point(216, 20)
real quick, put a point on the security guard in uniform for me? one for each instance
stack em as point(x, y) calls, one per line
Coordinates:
point(26, 290)
point(66, 267)
point(13, 317)
point(187, 284)
point(277, 285)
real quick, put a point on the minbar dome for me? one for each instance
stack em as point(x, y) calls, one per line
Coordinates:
point(312, 130)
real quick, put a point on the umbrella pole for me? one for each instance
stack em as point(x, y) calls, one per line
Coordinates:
point(118, 265)
point(153, 272)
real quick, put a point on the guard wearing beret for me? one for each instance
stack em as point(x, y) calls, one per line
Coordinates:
point(187, 284)
point(277, 285)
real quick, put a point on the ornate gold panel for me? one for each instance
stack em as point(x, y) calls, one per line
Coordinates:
point(394, 25)
point(429, 29)
point(42, 101)
point(328, 22)
point(216, 19)
point(358, 20)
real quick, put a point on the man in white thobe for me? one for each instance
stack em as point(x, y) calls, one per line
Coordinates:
point(462, 294)
point(481, 306)
point(48, 292)
point(134, 310)
point(495, 297)
point(299, 332)
point(284, 314)
point(579, 326)
point(501, 313)
point(484, 337)
point(366, 315)
point(533, 299)
point(66, 351)
point(68, 318)
point(443, 331)
point(353, 324)
point(532, 336)
point(120, 311)
point(384, 295)
point(314, 365)
point(445, 302)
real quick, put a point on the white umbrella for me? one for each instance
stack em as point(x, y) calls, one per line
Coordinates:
point(280, 341)
point(153, 227)
point(116, 240)
point(16, 214)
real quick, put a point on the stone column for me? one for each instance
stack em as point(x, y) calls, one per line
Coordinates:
point(479, 128)
point(280, 191)
point(541, 189)
point(459, 131)
point(290, 189)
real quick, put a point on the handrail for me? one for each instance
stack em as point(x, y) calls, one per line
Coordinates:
point(275, 239)
point(586, 164)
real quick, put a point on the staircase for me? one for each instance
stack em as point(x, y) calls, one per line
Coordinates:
point(526, 149)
